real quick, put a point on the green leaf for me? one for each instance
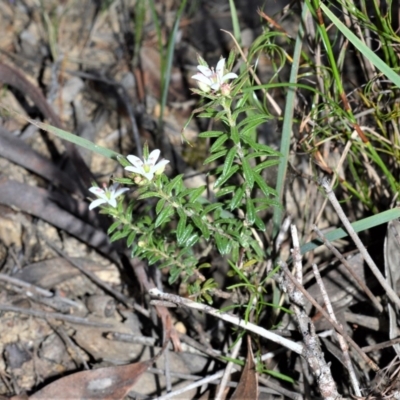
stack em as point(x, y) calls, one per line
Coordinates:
point(263, 186)
point(210, 134)
point(222, 244)
point(160, 205)
point(215, 156)
point(192, 240)
point(266, 164)
point(185, 235)
point(251, 122)
point(196, 207)
point(146, 195)
point(259, 223)
point(218, 143)
point(226, 190)
point(241, 110)
point(236, 199)
point(229, 161)
point(196, 193)
point(113, 227)
point(175, 183)
point(250, 212)
point(211, 207)
point(222, 179)
point(130, 239)
point(201, 225)
point(180, 229)
point(248, 173)
point(164, 216)
point(118, 235)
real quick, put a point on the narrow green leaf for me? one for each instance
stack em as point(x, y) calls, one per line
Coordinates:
point(215, 156)
point(259, 223)
point(192, 240)
point(130, 239)
point(248, 173)
point(218, 143)
point(222, 179)
point(185, 235)
point(160, 205)
point(113, 227)
point(118, 235)
point(180, 229)
point(201, 225)
point(250, 212)
point(175, 183)
point(266, 164)
point(210, 208)
point(196, 193)
point(211, 134)
point(263, 186)
point(146, 195)
point(252, 120)
point(164, 216)
point(229, 161)
point(222, 244)
point(226, 190)
point(236, 199)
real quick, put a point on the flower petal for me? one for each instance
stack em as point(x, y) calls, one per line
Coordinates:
point(96, 203)
point(112, 202)
point(96, 190)
point(229, 75)
point(204, 70)
point(203, 79)
point(220, 68)
point(136, 170)
point(216, 86)
point(153, 157)
point(120, 191)
point(136, 161)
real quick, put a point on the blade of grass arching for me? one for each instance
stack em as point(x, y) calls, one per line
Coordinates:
point(87, 144)
point(235, 22)
point(359, 45)
point(287, 124)
point(166, 71)
point(359, 226)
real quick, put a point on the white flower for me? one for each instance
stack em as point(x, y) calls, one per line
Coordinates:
point(212, 79)
point(106, 195)
point(147, 167)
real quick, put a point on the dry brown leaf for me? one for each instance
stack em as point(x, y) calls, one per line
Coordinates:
point(100, 384)
point(248, 384)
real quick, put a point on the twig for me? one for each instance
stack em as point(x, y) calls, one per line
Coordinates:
point(30, 290)
point(228, 371)
point(181, 301)
point(342, 343)
point(370, 363)
point(351, 271)
point(313, 352)
point(46, 315)
point(375, 270)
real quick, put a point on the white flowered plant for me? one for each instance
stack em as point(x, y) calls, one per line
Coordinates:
point(106, 195)
point(212, 79)
point(174, 223)
point(147, 167)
